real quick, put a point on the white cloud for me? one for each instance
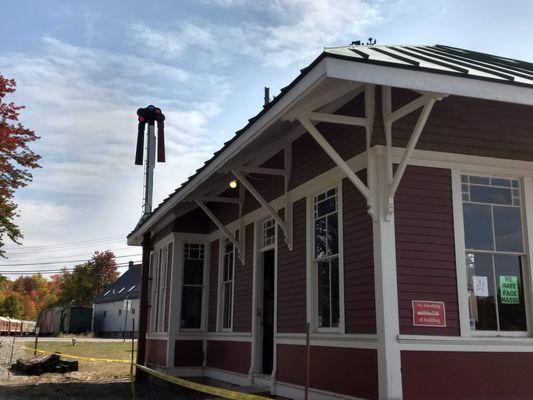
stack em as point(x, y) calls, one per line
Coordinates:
point(83, 102)
point(279, 32)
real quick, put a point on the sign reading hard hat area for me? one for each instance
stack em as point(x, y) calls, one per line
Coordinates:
point(429, 313)
point(509, 290)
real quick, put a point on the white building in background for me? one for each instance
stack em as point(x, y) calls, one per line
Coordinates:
point(116, 308)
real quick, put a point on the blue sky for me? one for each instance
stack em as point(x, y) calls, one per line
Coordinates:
point(84, 67)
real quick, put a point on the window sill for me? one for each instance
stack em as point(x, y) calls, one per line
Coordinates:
point(471, 343)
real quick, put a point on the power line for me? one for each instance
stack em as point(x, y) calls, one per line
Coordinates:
point(59, 261)
point(52, 271)
point(75, 242)
point(79, 255)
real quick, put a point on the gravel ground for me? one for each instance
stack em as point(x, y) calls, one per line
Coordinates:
point(5, 353)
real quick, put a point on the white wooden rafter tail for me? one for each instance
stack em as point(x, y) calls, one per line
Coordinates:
point(222, 228)
point(242, 180)
point(287, 154)
point(426, 101)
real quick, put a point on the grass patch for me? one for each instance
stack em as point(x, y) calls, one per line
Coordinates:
point(97, 369)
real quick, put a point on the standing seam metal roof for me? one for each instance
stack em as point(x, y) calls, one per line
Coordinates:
point(439, 59)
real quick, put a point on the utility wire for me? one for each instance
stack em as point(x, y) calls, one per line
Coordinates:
point(66, 245)
point(59, 261)
point(78, 255)
point(52, 271)
point(75, 242)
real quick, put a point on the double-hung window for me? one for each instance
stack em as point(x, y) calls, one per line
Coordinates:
point(193, 284)
point(226, 284)
point(326, 258)
point(161, 269)
point(495, 253)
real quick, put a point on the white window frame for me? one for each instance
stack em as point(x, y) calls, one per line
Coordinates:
point(205, 271)
point(159, 285)
point(312, 281)
point(220, 295)
point(264, 222)
point(526, 206)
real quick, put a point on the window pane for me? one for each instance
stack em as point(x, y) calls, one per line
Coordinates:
point(193, 271)
point(508, 229)
point(485, 194)
point(335, 292)
point(510, 292)
point(332, 234)
point(500, 182)
point(226, 324)
point(480, 180)
point(191, 307)
point(323, 294)
point(327, 206)
point(320, 238)
point(478, 226)
point(483, 305)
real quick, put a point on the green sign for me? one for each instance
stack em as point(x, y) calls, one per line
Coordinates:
point(509, 293)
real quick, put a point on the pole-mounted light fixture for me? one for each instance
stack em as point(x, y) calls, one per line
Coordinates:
point(233, 184)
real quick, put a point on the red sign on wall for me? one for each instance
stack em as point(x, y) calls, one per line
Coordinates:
point(429, 313)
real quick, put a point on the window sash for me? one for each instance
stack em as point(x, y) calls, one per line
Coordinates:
point(192, 252)
point(226, 285)
point(327, 306)
point(492, 272)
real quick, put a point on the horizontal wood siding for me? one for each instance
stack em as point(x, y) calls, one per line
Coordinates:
point(242, 308)
point(156, 352)
point(359, 303)
point(188, 353)
point(291, 307)
point(229, 355)
point(425, 250)
point(467, 126)
point(349, 371)
point(466, 375)
point(213, 286)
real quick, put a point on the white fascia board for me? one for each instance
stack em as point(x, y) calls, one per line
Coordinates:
point(310, 80)
point(427, 81)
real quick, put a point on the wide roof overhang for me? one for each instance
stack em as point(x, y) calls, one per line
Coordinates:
point(330, 72)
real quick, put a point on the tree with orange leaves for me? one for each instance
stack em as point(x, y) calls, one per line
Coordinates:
point(16, 161)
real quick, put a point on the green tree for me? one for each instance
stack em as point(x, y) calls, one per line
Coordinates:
point(12, 306)
point(84, 283)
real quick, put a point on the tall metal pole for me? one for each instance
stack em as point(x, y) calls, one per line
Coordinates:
point(149, 170)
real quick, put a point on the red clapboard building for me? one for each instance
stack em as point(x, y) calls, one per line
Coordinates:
point(385, 198)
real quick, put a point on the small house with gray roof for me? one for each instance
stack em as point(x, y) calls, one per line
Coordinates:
point(116, 307)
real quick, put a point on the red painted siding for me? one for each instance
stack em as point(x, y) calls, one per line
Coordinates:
point(292, 275)
point(156, 352)
point(359, 303)
point(349, 371)
point(213, 287)
point(425, 251)
point(242, 308)
point(467, 126)
point(466, 375)
point(229, 355)
point(188, 353)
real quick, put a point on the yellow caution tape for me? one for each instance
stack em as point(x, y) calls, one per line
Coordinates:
point(79, 357)
point(225, 393)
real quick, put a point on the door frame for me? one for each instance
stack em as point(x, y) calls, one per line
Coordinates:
point(257, 301)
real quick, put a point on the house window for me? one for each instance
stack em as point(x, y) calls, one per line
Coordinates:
point(133, 310)
point(192, 288)
point(105, 314)
point(162, 265)
point(226, 285)
point(119, 311)
point(494, 251)
point(326, 258)
point(269, 232)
